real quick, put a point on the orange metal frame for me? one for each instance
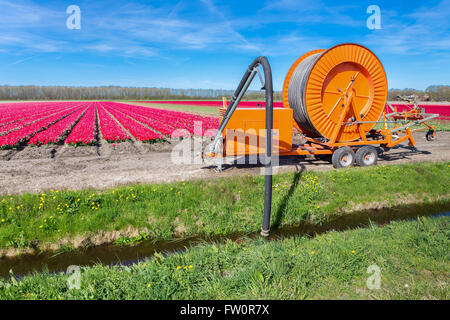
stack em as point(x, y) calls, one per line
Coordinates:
point(345, 96)
point(253, 118)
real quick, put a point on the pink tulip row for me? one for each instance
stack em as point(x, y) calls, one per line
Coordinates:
point(168, 120)
point(10, 112)
point(43, 123)
point(163, 128)
point(59, 130)
point(83, 132)
point(14, 112)
point(109, 128)
point(139, 131)
point(15, 137)
point(18, 124)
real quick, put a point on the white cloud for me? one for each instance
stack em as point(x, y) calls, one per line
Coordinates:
point(26, 14)
point(424, 31)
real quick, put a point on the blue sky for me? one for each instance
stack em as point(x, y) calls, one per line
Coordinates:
point(209, 43)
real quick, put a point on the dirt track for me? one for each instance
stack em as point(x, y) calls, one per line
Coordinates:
point(62, 167)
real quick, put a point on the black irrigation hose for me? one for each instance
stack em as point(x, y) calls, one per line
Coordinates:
point(268, 87)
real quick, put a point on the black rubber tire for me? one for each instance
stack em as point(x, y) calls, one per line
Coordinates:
point(384, 148)
point(366, 156)
point(431, 135)
point(343, 157)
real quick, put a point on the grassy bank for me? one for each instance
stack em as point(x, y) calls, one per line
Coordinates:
point(412, 257)
point(211, 207)
point(441, 125)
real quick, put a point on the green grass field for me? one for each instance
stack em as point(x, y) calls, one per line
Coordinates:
point(213, 207)
point(412, 258)
point(180, 107)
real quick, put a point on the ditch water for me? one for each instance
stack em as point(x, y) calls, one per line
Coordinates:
point(111, 254)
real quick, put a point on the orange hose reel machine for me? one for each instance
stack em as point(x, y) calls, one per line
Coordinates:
point(334, 97)
point(319, 84)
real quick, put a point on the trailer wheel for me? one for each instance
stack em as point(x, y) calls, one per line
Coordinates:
point(366, 156)
point(343, 157)
point(384, 147)
point(431, 135)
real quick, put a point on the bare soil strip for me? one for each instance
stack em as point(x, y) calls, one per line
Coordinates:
point(65, 167)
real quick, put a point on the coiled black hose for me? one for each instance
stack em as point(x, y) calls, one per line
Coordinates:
point(296, 93)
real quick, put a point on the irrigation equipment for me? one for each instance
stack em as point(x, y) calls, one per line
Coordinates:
point(335, 98)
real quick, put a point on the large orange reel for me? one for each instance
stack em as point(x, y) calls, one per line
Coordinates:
point(318, 82)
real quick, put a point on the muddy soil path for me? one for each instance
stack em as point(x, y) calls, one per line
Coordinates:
point(35, 170)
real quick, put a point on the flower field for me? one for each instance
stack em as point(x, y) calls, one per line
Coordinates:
point(442, 109)
point(83, 123)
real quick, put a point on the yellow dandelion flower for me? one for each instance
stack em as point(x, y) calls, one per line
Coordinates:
point(149, 285)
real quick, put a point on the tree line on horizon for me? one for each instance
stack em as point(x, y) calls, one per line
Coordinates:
point(432, 93)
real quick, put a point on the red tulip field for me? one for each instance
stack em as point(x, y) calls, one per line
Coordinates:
point(442, 109)
point(83, 123)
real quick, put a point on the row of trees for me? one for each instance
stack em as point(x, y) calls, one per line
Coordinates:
point(432, 93)
point(104, 93)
